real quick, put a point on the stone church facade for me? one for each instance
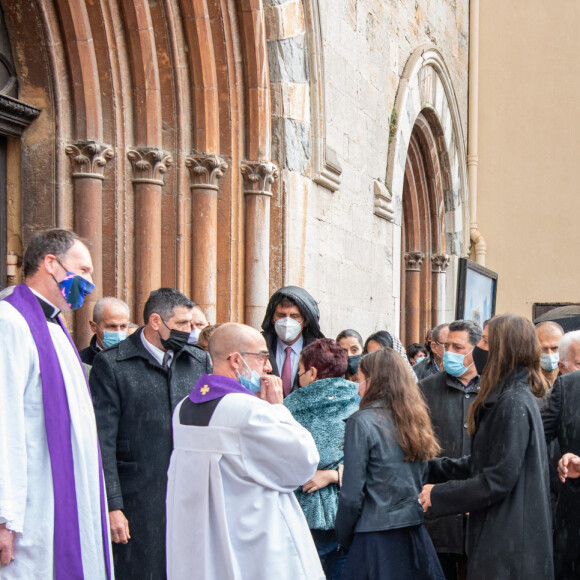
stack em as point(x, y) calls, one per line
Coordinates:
point(229, 147)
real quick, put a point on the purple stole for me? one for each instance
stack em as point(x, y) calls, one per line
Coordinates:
point(67, 542)
point(210, 387)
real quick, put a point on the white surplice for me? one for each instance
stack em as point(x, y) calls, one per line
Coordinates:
point(231, 510)
point(26, 489)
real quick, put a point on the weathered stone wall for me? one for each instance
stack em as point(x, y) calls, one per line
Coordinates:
point(335, 246)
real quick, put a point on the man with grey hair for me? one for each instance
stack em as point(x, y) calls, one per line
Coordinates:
point(109, 326)
point(569, 352)
point(449, 395)
point(434, 362)
point(549, 334)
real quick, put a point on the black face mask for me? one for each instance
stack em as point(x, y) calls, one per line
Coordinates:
point(479, 358)
point(176, 341)
point(353, 362)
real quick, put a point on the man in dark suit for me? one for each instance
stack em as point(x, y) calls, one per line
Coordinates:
point(291, 322)
point(136, 386)
point(562, 421)
point(109, 326)
point(449, 395)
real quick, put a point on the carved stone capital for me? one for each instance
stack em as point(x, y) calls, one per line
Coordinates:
point(439, 263)
point(413, 261)
point(149, 164)
point(88, 158)
point(205, 170)
point(258, 177)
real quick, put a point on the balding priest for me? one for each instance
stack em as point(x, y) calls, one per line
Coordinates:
point(53, 512)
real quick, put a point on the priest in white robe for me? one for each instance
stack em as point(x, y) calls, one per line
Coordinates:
point(53, 513)
point(238, 457)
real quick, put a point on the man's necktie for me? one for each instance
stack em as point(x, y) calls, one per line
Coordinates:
point(166, 360)
point(287, 372)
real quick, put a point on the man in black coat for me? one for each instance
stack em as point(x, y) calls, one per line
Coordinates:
point(433, 363)
point(109, 326)
point(562, 421)
point(136, 386)
point(449, 397)
point(291, 322)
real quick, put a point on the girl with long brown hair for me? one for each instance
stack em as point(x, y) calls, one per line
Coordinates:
point(387, 443)
point(504, 483)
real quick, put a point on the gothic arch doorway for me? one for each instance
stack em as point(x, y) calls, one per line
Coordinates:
point(424, 259)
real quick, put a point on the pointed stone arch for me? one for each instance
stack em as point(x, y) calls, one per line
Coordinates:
point(427, 179)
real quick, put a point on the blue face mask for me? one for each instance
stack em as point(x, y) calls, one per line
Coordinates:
point(419, 359)
point(253, 384)
point(74, 288)
point(453, 363)
point(549, 361)
point(113, 337)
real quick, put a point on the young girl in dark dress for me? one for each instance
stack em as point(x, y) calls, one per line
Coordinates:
point(387, 444)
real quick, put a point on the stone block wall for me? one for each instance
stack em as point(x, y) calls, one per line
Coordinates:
point(334, 244)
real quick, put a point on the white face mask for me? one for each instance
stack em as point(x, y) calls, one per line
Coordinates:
point(288, 329)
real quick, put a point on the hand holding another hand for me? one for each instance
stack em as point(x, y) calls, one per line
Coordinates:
point(425, 496)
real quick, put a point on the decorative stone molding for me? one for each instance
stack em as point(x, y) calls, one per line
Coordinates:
point(439, 263)
point(205, 170)
point(329, 170)
point(88, 158)
point(383, 201)
point(413, 261)
point(259, 177)
point(149, 164)
point(15, 115)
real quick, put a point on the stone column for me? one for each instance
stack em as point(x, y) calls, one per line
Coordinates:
point(258, 178)
point(148, 165)
point(439, 263)
point(413, 262)
point(204, 172)
point(88, 160)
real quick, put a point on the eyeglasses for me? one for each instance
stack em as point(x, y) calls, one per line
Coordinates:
point(295, 317)
point(261, 355)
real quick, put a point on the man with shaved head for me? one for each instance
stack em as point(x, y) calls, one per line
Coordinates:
point(238, 456)
point(109, 326)
point(549, 334)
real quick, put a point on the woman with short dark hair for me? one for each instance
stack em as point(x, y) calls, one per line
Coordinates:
point(504, 483)
point(321, 404)
point(352, 342)
point(386, 446)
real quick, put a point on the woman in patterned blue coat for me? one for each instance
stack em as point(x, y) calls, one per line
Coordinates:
point(321, 405)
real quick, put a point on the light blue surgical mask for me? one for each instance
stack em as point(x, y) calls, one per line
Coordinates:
point(453, 363)
point(549, 361)
point(419, 359)
point(253, 383)
point(113, 337)
point(194, 336)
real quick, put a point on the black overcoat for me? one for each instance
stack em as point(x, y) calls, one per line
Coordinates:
point(562, 421)
point(449, 402)
point(504, 487)
point(134, 398)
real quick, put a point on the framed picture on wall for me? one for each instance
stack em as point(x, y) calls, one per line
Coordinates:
point(476, 292)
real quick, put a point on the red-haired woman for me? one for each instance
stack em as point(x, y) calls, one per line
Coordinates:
point(387, 444)
point(321, 404)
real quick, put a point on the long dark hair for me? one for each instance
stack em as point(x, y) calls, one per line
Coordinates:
point(513, 343)
point(390, 382)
